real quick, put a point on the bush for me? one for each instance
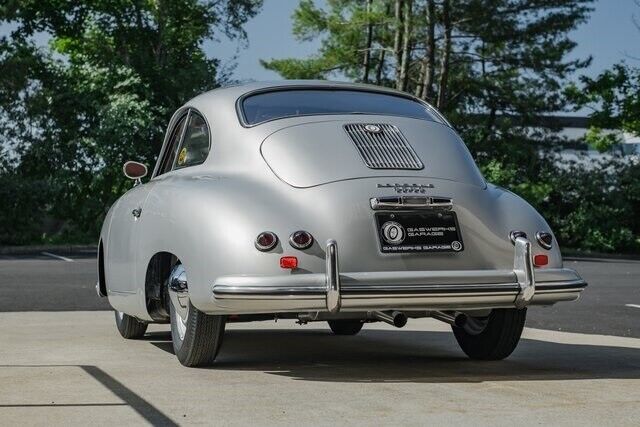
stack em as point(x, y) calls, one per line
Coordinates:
point(25, 207)
point(590, 206)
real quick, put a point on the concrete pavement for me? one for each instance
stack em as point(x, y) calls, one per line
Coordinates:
point(73, 368)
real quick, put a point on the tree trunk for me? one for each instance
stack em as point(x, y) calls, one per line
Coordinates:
point(406, 45)
point(367, 51)
point(380, 67)
point(398, 39)
point(446, 47)
point(430, 54)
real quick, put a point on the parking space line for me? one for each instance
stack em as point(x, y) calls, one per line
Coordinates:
point(633, 305)
point(63, 405)
point(63, 258)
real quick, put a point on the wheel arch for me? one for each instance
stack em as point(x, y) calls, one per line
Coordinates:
point(157, 271)
point(102, 280)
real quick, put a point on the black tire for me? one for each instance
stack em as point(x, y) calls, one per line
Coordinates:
point(130, 327)
point(498, 339)
point(202, 338)
point(345, 327)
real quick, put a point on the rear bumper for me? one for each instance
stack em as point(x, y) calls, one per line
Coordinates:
point(334, 291)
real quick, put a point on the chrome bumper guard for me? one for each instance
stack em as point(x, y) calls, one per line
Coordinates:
point(363, 291)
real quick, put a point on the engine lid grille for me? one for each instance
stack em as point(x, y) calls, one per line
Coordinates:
point(382, 146)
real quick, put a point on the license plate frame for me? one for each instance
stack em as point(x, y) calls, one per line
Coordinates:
point(424, 232)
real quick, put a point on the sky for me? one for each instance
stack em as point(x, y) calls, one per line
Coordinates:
point(608, 37)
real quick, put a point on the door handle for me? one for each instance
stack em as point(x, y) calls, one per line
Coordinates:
point(136, 212)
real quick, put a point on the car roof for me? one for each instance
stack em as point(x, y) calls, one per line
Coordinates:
point(225, 99)
point(233, 92)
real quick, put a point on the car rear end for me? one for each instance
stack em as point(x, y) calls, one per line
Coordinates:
point(401, 219)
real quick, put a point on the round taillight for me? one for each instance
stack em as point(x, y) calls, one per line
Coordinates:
point(301, 239)
point(266, 241)
point(544, 239)
point(515, 234)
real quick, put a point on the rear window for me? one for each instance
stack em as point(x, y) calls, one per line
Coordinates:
point(267, 106)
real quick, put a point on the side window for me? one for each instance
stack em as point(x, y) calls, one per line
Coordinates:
point(195, 144)
point(172, 146)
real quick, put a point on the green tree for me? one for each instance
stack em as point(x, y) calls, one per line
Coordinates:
point(100, 93)
point(614, 99)
point(492, 66)
point(610, 192)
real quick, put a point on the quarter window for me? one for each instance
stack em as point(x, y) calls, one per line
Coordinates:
point(172, 146)
point(195, 144)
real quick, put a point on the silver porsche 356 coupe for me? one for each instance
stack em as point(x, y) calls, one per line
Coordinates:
point(328, 202)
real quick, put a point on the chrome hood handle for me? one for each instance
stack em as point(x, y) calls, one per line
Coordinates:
point(411, 202)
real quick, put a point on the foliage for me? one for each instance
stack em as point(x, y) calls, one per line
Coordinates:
point(493, 67)
point(596, 208)
point(100, 93)
point(614, 98)
point(590, 206)
point(607, 197)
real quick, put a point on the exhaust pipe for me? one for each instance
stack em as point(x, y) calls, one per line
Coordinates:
point(459, 319)
point(394, 318)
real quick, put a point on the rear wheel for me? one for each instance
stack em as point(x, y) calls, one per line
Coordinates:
point(493, 337)
point(197, 337)
point(129, 327)
point(345, 327)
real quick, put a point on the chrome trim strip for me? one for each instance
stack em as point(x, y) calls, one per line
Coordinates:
point(562, 286)
point(431, 289)
point(388, 291)
point(115, 292)
point(223, 292)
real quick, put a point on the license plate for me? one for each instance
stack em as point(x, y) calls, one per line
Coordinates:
point(404, 232)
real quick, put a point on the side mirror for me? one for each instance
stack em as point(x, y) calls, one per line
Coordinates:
point(134, 170)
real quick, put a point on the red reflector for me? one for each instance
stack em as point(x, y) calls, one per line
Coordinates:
point(289, 262)
point(540, 260)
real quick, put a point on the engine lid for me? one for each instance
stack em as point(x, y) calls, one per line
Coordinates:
point(316, 153)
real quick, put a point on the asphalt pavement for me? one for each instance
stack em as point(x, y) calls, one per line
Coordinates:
point(610, 305)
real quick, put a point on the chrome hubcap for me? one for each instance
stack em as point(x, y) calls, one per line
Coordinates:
point(179, 296)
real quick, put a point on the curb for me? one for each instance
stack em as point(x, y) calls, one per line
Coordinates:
point(573, 254)
point(57, 249)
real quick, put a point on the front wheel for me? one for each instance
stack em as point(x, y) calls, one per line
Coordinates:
point(493, 337)
point(196, 336)
point(130, 327)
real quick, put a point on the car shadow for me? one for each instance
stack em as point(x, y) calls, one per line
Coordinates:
point(409, 356)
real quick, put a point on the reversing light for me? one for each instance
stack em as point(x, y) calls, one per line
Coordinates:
point(289, 262)
point(301, 239)
point(544, 239)
point(540, 260)
point(515, 234)
point(266, 241)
